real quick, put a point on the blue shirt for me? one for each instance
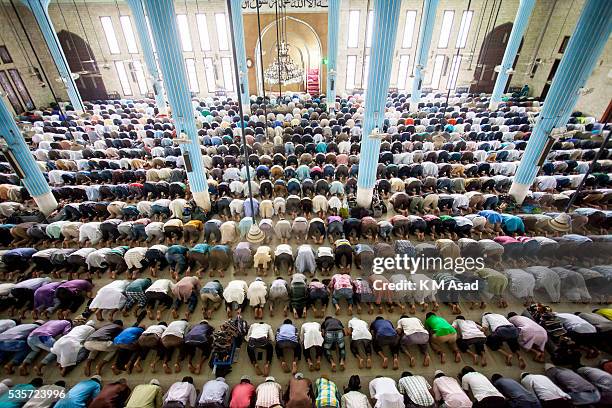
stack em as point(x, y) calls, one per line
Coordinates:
point(383, 327)
point(80, 395)
point(177, 250)
point(512, 223)
point(287, 332)
point(128, 336)
point(247, 207)
point(492, 217)
point(201, 248)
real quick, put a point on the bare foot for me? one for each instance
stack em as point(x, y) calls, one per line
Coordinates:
point(385, 363)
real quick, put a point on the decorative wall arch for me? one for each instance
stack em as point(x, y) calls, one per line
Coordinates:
point(309, 49)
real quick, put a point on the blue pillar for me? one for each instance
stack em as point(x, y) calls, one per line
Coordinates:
point(40, 9)
point(581, 54)
point(33, 179)
point(142, 29)
point(386, 16)
point(422, 54)
point(237, 26)
point(164, 29)
point(518, 29)
point(333, 26)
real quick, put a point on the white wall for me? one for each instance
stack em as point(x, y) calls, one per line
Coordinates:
point(563, 19)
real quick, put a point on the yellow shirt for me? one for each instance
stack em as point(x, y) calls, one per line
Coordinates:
point(607, 313)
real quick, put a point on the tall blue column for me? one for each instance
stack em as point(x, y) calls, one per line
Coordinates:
point(237, 25)
point(518, 29)
point(581, 54)
point(386, 16)
point(40, 9)
point(147, 50)
point(333, 26)
point(33, 179)
point(422, 54)
point(164, 29)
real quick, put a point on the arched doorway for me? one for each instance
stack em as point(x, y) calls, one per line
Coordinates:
point(81, 60)
point(304, 49)
point(491, 55)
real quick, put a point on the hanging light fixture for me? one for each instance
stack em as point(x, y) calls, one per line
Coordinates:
point(284, 66)
point(283, 70)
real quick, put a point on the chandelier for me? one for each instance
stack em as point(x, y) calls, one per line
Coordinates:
point(283, 70)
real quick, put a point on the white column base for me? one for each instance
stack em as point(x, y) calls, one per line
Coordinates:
point(202, 199)
point(364, 196)
point(519, 191)
point(46, 203)
point(493, 105)
point(414, 107)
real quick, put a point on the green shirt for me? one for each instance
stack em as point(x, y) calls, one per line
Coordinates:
point(145, 396)
point(439, 326)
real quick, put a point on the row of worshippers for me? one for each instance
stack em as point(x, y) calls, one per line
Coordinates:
point(41, 343)
point(557, 387)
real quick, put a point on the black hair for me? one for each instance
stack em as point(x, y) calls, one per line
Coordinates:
point(406, 374)
point(523, 375)
point(60, 383)
point(429, 314)
point(118, 322)
point(460, 317)
point(287, 321)
point(403, 316)
point(439, 375)
point(511, 314)
point(188, 379)
point(354, 384)
point(37, 382)
point(467, 369)
point(495, 377)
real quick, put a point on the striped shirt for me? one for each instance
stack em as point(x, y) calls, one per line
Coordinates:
point(417, 389)
point(268, 394)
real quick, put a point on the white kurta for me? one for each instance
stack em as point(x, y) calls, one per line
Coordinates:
point(67, 347)
point(111, 296)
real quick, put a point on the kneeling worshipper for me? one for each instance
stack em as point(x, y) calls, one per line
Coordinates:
point(109, 298)
point(69, 349)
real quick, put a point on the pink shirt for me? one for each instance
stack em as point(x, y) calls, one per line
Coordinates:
point(341, 281)
point(183, 288)
point(449, 390)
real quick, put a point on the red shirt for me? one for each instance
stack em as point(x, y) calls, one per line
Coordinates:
point(242, 395)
